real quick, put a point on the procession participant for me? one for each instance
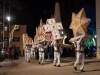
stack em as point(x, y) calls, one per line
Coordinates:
point(33, 48)
point(41, 53)
point(34, 52)
point(80, 53)
point(27, 53)
point(57, 53)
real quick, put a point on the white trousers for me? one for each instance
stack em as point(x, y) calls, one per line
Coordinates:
point(56, 58)
point(27, 56)
point(80, 58)
point(33, 53)
point(41, 57)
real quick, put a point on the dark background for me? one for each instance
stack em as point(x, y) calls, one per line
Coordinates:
point(29, 12)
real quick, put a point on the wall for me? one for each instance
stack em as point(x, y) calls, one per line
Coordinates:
point(98, 26)
point(19, 34)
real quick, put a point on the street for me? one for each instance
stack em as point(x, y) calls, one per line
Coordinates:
point(20, 67)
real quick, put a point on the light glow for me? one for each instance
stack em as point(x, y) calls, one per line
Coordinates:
point(8, 18)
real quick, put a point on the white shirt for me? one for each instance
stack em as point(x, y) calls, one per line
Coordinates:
point(40, 47)
point(27, 49)
point(79, 47)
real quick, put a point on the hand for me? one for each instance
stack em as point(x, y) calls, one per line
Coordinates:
point(83, 35)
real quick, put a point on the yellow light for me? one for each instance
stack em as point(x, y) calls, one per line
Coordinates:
point(11, 34)
point(64, 39)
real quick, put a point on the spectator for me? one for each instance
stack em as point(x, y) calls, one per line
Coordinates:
point(9, 52)
point(48, 52)
point(17, 53)
point(51, 52)
point(3, 52)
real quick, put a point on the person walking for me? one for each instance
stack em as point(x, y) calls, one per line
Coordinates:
point(80, 53)
point(57, 53)
point(41, 49)
point(27, 51)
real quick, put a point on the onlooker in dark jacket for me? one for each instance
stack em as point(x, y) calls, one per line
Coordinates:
point(15, 51)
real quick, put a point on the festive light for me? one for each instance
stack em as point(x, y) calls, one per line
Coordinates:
point(11, 34)
point(64, 39)
point(91, 41)
point(95, 36)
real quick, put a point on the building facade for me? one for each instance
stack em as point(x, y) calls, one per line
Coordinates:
point(17, 36)
point(98, 27)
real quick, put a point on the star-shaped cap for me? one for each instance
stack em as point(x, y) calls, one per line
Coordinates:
point(79, 23)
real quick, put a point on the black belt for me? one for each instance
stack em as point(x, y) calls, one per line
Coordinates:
point(27, 52)
point(56, 51)
point(80, 51)
point(41, 51)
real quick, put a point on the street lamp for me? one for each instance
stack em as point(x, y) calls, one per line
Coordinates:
point(8, 18)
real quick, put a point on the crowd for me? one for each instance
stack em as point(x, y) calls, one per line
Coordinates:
point(50, 51)
point(54, 51)
point(12, 52)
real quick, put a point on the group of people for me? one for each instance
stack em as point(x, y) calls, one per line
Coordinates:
point(41, 47)
point(13, 52)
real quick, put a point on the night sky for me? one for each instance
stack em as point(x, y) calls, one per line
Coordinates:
point(29, 12)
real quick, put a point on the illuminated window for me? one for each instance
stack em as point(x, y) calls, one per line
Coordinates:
point(5, 28)
point(16, 39)
point(5, 38)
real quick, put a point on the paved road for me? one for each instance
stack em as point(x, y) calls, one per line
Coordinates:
point(19, 67)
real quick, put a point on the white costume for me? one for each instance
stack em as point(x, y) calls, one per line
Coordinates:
point(27, 51)
point(79, 54)
point(32, 51)
point(41, 53)
point(57, 50)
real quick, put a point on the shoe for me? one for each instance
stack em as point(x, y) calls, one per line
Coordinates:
point(75, 68)
point(42, 64)
point(39, 62)
point(55, 65)
point(82, 70)
point(58, 65)
point(28, 61)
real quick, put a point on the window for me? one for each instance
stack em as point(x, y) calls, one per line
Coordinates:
point(16, 39)
point(5, 28)
point(18, 29)
point(5, 38)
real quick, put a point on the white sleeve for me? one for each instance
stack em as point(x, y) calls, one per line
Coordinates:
point(80, 40)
